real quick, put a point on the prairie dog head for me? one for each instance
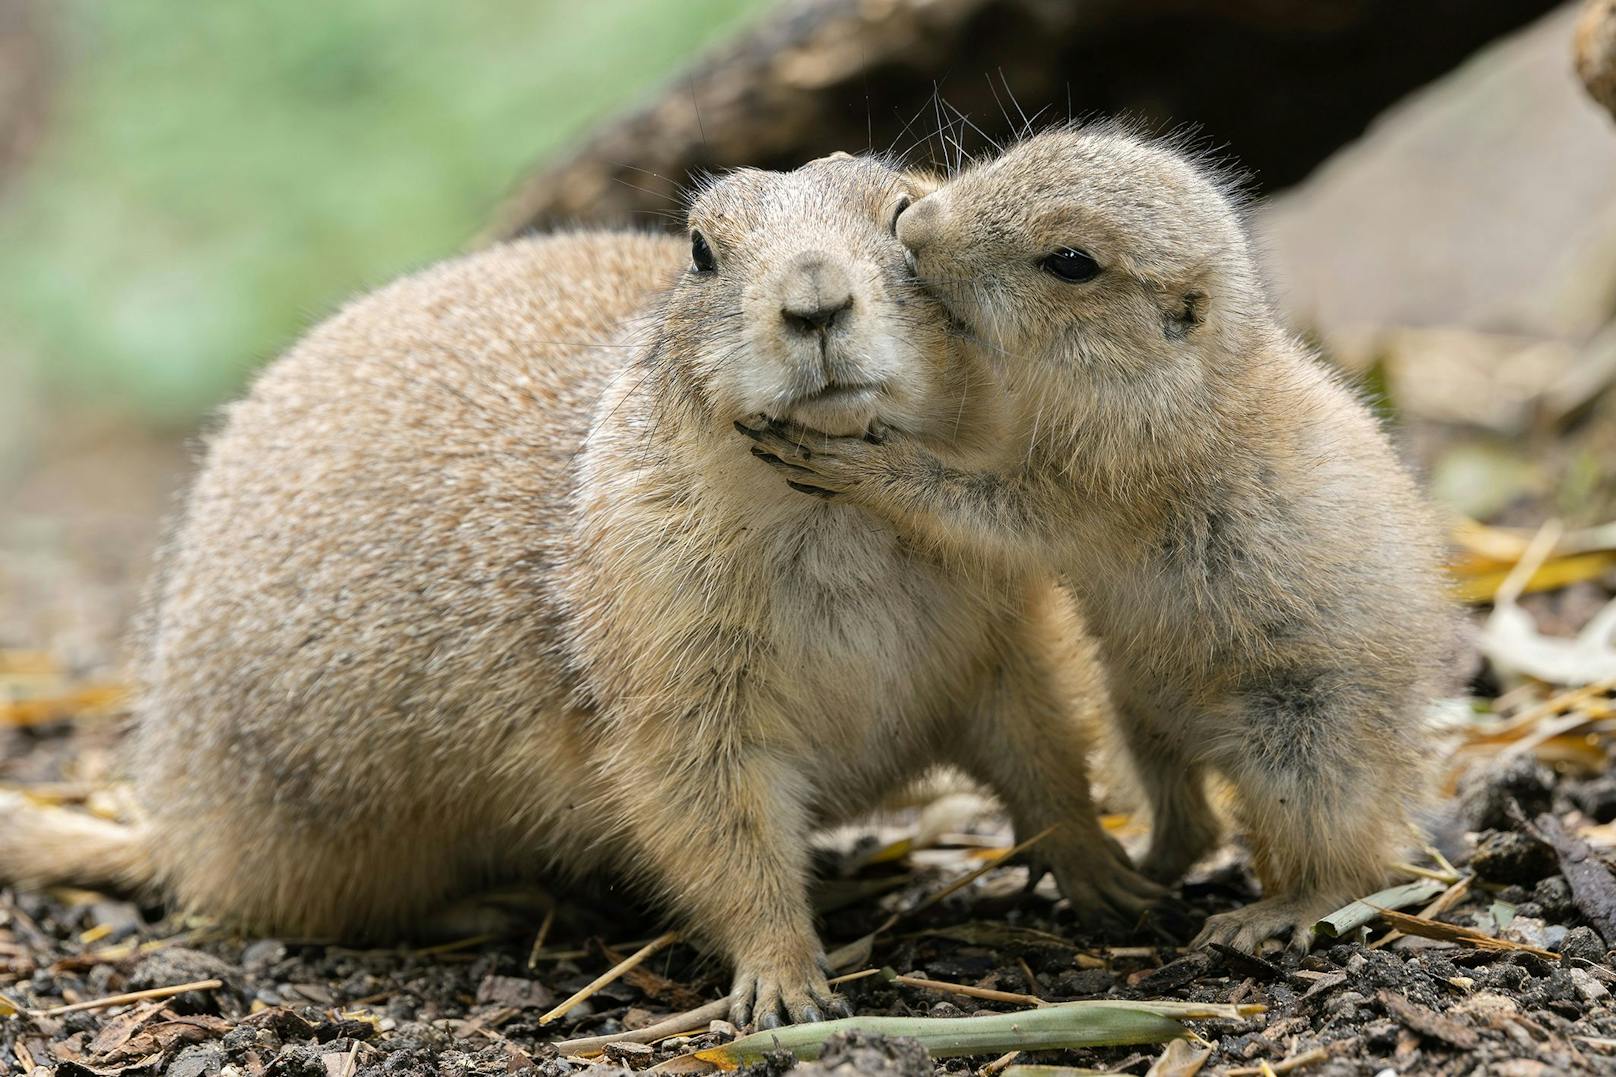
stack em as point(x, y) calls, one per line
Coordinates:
point(1091, 249)
point(803, 304)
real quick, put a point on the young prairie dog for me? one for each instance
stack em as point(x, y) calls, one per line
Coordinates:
point(476, 585)
point(1259, 571)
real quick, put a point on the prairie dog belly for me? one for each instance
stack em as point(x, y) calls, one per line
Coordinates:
point(880, 649)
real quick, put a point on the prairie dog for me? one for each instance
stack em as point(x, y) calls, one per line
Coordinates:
point(476, 585)
point(1259, 571)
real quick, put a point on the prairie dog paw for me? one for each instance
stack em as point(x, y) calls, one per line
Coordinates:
point(1102, 884)
point(823, 465)
point(775, 993)
point(1247, 928)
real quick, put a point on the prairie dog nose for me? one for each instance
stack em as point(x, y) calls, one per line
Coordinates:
point(814, 293)
point(918, 224)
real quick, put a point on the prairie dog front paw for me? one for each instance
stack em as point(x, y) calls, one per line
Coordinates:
point(823, 465)
point(1102, 884)
point(775, 990)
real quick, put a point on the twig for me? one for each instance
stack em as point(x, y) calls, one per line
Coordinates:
point(851, 976)
point(1029, 976)
point(1356, 914)
point(1436, 929)
point(611, 974)
point(966, 989)
point(990, 1068)
point(976, 873)
point(1537, 551)
point(1592, 887)
point(690, 1021)
point(857, 952)
point(1562, 702)
point(538, 940)
point(1444, 901)
point(350, 1062)
point(1306, 1058)
point(131, 996)
point(1446, 878)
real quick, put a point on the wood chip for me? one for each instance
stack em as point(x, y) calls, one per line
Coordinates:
point(1180, 1059)
point(1427, 1022)
point(1328, 982)
point(1436, 929)
point(1592, 887)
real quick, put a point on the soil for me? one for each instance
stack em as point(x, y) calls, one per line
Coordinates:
point(288, 1007)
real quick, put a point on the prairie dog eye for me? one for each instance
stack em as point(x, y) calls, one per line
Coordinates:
point(701, 255)
point(904, 202)
point(1071, 265)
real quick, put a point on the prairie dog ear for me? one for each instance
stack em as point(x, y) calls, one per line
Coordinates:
point(922, 182)
point(1190, 315)
point(838, 155)
point(1185, 305)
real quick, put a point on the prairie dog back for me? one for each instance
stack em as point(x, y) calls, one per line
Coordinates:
point(366, 547)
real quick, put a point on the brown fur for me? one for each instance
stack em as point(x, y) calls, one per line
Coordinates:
point(1260, 571)
point(476, 584)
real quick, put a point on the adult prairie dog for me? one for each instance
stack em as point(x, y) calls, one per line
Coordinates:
point(1259, 570)
point(477, 584)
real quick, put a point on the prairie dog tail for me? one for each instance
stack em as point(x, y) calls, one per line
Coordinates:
point(52, 846)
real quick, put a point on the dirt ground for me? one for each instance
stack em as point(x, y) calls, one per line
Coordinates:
point(472, 1006)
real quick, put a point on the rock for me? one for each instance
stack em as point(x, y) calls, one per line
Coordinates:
point(1084, 982)
point(177, 965)
point(632, 1055)
point(198, 1060)
point(1588, 988)
point(260, 956)
point(1488, 1008)
point(801, 80)
point(239, 1040)
point(515, 992)
point(1175, 974)
point(1534, 932)
point(296, 1061)
point(860, 1054)
point(1583, 942)
point(1596, 798)
point(1520, 1067)
point(1552, 895)
point(1485, 798)
point(1595, 45)
point(1508, 856)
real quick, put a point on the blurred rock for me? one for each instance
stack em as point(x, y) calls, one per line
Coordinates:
point(1596, 51)
point(1596, 798)
point(1484, 201)
point(1508, 856)
point(862, 1054)
point(1486, 797)
point(815, 76)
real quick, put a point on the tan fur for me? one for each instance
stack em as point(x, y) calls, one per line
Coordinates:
point(42, 847)
point(1261, 573)
point(476, 584)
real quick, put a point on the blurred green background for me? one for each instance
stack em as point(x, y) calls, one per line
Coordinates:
point(212, 178)
point(184, 188)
